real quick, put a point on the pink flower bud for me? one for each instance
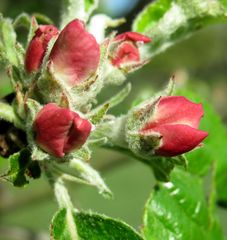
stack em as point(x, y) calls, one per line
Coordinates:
point(38, 46)
point(75, 55)
point(59, 130)
point(175, 121)
point(127, 50)
point(133, 37)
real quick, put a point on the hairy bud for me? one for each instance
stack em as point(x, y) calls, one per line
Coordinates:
point(38, 46)
point(171, 127)
point(60, 130)
point(126, 50)
point(75, 55)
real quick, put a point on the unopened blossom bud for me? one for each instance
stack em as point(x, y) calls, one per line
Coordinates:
point(38, 47)
point(75, 55)
point(174, 121)
point(60, 130)
point(126, 50)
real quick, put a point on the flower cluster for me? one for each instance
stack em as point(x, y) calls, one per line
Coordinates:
point(74, 58)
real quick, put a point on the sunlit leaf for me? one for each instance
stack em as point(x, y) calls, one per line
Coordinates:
point(179, 210)
point(167, 21)
point(90, 226)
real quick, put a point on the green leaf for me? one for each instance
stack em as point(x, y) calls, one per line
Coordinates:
point(43, 18)
point(90, 5)
point(8, 52)
point(162, 166)
point(80, 9)
point(85, 172)
point(8, 114)
point(120, 97)
point(90, 226)
point(168, 21)
point(214, 149)
point(179, 210)
point(99, 23)
point(99, 113)
point(11, 51)
point(20, 166)
point(22, 20)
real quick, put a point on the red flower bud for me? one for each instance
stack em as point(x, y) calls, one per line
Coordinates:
point(133, 37)
point(38, 46)
point(59, 130)
point(176, 121)
point(75, 55)
point(127, 49)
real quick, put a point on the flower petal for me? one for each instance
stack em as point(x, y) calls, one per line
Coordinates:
point(176, 110)
point(75, 55)
point(177, 139)
point(38, 46)
point(133, 36)
point(127, 52)
point(52, 125)
point(78, 134)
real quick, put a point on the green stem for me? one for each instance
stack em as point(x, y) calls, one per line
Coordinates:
point(62, 195)
point(63, 199)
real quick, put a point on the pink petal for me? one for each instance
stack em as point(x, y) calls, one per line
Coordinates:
point(52, 125)
point(78, 134)
point(125, 53)
point(176, 110)
point(133, 36)
point(38, 46)
point(177, 139)
point(75, 55)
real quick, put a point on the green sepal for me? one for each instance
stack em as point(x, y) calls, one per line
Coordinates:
point(52, 90)
point(33, 107)
point(141, 144)
point(33, 26)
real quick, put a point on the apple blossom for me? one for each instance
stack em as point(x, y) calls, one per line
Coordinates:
point(175, 122)
point(60, 130)
point(126, 50)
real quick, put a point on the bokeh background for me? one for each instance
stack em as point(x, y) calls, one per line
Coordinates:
point(199, 62)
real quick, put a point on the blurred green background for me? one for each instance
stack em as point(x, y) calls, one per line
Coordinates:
point(199, 62)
